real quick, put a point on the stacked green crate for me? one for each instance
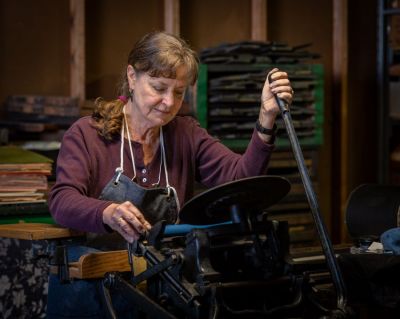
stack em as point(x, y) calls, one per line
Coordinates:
point(211, 72)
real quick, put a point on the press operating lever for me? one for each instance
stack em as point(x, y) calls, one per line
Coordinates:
point(313, 202)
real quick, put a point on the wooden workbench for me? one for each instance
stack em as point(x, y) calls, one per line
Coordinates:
point(36, 231)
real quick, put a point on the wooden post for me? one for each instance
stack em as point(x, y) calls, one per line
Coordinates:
point(171, 16)
point(77, 49)
point(259, 20)
point(340, 180)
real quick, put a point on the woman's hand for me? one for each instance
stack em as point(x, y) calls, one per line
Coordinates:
point(279, 85)
point(127, 220)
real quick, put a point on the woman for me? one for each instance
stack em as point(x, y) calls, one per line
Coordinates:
point(135, 162)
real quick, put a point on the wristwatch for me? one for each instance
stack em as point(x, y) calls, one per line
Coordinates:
point(266, 131)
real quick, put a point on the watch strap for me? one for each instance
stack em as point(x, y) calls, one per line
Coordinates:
point(266, 131)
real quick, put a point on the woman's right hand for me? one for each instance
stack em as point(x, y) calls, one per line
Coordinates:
point(127, 220)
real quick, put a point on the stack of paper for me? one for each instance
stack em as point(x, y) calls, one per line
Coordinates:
point(23, 177)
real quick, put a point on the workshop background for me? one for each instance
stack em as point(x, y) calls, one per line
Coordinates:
point(70, 52)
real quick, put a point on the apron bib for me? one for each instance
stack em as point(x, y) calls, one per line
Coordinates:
point(156, 203)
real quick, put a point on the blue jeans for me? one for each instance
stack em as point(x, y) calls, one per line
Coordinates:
point(82, 298)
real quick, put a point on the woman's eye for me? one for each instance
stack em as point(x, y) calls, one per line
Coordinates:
point(158, 88)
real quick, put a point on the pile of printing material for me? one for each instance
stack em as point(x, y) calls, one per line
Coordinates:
point(256, 52)
point(236, 75)
point(34, 113)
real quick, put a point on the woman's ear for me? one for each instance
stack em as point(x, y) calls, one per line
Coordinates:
point(131, 74)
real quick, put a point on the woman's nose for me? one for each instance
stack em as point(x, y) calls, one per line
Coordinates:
point(169, 99)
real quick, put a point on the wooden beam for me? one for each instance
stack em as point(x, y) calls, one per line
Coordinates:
point(259, 20)
point(77, 49)
point(340, 183)
point(171, 16)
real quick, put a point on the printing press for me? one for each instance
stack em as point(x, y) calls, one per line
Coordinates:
point(229, 259)
point(233, 264)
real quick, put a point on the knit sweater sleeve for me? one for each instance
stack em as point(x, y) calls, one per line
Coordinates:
point(70, 200)
point(217, 164)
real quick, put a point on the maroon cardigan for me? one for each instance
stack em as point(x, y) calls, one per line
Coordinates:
point(87, 162)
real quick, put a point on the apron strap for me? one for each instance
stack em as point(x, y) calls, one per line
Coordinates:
point(125, 126)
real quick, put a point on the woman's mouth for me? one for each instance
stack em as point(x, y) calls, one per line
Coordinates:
point(162, 111)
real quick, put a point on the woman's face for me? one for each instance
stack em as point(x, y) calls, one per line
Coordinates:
point(157, 99)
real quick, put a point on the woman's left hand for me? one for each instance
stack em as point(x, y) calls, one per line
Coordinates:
point(279, 85)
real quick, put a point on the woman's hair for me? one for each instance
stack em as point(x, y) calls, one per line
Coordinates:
point(159, 54)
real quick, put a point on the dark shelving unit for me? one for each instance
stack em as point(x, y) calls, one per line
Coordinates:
point(388, 83)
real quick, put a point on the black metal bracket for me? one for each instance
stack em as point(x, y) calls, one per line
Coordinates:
point(154, 258)
point(58, 253)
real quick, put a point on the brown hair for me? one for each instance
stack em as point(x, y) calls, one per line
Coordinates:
point(158, 54)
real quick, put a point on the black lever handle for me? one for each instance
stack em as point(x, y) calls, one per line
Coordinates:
point(313, 202)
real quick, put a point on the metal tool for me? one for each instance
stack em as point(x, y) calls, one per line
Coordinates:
point(313, 202)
